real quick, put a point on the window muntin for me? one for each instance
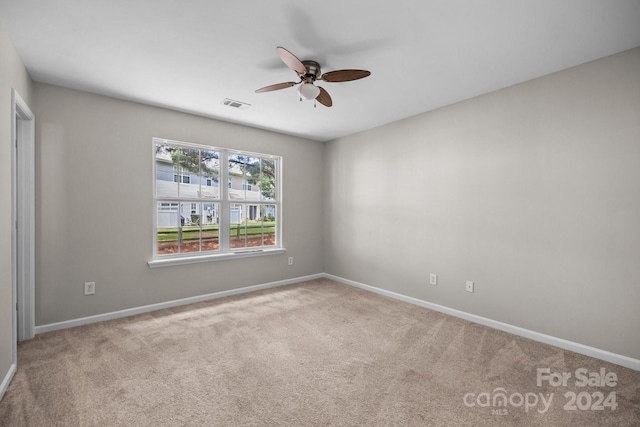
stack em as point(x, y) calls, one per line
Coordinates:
point(197, 216)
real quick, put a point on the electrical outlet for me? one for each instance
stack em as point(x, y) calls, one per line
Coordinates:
point(290, 262)
point(433, 279)
point(469, 287)
point(89, 288)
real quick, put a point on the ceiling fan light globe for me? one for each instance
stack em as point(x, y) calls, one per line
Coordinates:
point(309, 91)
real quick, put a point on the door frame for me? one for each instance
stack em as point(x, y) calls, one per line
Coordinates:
point(23, 219)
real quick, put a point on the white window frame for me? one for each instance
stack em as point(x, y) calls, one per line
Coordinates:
point(224, 203)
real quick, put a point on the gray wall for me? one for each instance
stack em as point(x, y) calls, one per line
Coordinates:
point(533, 192)
point(12, 75)
point(94, 205)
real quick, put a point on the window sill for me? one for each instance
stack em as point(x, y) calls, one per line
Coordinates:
point(166, 262)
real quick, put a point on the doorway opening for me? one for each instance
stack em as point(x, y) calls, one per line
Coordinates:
point(23, 216)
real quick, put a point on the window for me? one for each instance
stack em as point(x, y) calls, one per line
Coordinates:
point(168, 207)
point(180, 175)
point(194, 215)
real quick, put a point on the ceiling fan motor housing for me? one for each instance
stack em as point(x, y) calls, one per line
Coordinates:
point(313, 70)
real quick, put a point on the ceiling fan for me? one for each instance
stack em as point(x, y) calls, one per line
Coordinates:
point(309, 72)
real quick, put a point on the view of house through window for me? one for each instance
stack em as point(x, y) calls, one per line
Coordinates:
point(195, 214)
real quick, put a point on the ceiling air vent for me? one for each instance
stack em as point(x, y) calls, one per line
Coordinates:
point(235, 104)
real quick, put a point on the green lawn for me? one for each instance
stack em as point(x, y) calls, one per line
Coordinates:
point(211, 231)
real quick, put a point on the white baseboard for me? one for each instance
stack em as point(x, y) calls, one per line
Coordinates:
point(168, 304)
point(618, 359)
point(7, 380)
point(597, 353)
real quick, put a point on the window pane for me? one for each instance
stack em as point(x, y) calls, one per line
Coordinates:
point(252, 226)
point(268, 180)
point(167, 230)
point(210, 227)
point(244, 177)
point(268, 215)
point(237, 226)
point(236, 177)
point(166, 180)
point(188, 165)
point(252, 178)
point(190, 227)
point(210, 174)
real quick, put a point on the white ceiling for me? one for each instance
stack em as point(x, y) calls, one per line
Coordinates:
point(190, 55)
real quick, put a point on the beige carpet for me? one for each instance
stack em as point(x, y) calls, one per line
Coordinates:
point(316, 353)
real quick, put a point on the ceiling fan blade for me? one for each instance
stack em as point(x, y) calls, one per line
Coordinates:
point(292, 62)
point(276, 86)
point(324, 98)
point(345, 75)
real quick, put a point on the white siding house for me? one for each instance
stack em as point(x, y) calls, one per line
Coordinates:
point(172, 181)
